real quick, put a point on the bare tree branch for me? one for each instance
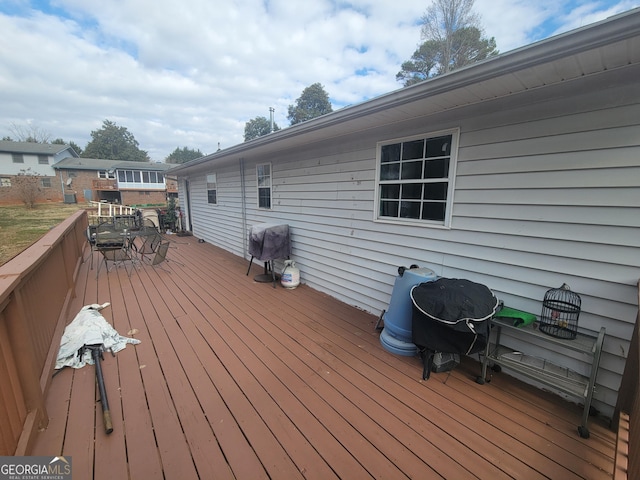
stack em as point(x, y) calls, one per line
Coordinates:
point(29, 133)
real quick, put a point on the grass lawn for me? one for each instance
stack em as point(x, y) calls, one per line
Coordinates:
point(20, 226)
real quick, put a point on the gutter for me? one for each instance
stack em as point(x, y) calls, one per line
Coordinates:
point(609, 31)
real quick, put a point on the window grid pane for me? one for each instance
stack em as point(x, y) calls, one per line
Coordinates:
point(264, 198)
point(414, 179)
point(263, 173)
point(212, 189)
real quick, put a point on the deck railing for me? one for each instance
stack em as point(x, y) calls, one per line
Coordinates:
point(627, 414)
point(104, 184)
point(35, 290)
point(106, 212)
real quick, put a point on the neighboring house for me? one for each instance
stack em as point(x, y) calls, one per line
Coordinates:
point(521, 172)
point(63, 176)
point(126, 183)
point(31, 158)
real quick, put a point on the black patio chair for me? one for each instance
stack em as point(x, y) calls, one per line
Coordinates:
point(160, 254)
point(117, 255)
point(91, 239)
point(112, 245)
point(147, 242)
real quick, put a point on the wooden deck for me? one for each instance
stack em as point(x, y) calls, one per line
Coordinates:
point(236, 379)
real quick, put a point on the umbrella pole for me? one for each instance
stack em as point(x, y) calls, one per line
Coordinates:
point(96, 354)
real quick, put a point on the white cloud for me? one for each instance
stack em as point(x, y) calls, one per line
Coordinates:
point(192, 73)
point(516, 23)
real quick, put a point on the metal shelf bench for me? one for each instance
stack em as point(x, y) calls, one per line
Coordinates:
point(563, 379)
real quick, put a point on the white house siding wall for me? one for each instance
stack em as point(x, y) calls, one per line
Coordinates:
point(30, 164)
point(220, 224)
point(547, 192)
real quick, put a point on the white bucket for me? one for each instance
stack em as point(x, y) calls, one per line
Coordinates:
point(290, 277)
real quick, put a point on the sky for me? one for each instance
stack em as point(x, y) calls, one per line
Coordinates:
point(191, 73)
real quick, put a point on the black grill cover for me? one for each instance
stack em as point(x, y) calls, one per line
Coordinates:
point(269, 242)
point(450, 315)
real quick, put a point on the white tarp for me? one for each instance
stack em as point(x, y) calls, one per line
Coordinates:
point(89, 328)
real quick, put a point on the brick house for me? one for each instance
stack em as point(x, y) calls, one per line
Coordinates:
point(64, 176)
point(127, 183)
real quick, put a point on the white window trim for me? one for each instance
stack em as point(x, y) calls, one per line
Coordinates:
point(270, 187)
point(446, 224)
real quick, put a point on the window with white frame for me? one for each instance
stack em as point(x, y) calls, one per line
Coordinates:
point(263, 174)
point(136, 176)
point(45, 182)
point(415, 178)
point(212, 189)
point(5, 181)
point(17, 158)
point(43, 160)
point(107, 174)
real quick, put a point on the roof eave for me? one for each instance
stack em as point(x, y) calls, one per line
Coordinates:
point(609, 31)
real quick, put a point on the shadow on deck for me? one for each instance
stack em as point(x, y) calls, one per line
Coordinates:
point(235, 379)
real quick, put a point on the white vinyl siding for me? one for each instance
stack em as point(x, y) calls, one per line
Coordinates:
point(222, 225)
point(546, 193)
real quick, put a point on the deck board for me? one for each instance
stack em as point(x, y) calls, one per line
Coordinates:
point(236, 379)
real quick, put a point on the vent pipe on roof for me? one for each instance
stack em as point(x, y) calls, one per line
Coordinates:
point(271, 110)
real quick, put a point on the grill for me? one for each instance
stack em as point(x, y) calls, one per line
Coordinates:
point(560, 312)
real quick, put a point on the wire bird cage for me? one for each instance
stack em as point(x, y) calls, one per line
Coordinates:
point(560, 312)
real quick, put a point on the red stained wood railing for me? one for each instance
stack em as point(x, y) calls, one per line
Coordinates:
point(35, 289)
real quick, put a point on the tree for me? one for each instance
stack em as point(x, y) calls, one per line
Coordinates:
point(112, 142)
point(183, 155)
point(257, 127)
point(422, 63)
point(171, 215)
point(313, 102)
point(27, 185)
point(76, 148)
point(452, 38)
point(29, 133)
